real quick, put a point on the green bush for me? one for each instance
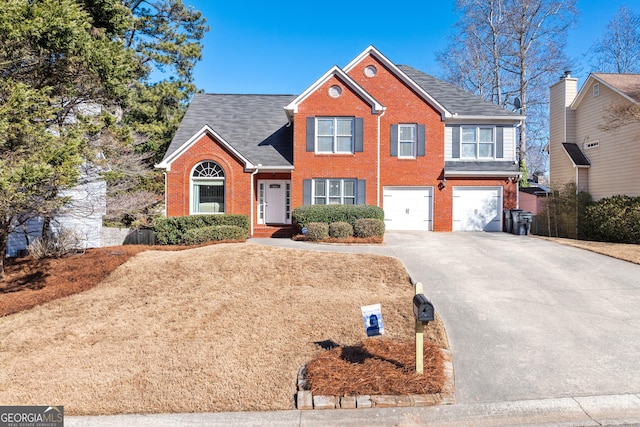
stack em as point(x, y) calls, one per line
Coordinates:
point(340, 230)
point(612, 219)
point(196, 236)
point(317, 231)
point(304, 215)
point(369, 227)
point(171, 231)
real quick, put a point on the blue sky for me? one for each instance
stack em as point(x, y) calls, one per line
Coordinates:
point(268, 47)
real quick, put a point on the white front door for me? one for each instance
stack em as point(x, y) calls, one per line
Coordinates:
point(276, 202)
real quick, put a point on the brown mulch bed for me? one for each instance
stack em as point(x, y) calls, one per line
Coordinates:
point(376, 367)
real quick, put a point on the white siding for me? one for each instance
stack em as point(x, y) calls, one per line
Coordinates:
point(83, 214)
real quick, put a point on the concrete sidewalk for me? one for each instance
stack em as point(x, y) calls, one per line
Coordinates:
point(569, 411)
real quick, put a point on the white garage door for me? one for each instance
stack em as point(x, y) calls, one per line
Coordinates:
point(477, 208)
point(408, 208)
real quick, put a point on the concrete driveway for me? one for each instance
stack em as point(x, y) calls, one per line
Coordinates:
point(528, 318)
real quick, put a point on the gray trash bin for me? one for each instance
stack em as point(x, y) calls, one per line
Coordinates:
point(515, 216)
point(506, 227)
point(522, 224)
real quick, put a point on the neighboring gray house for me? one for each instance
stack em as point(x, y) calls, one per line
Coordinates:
point(83, 215)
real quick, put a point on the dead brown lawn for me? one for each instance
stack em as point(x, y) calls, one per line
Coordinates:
point(217, 328)
point(626, 252)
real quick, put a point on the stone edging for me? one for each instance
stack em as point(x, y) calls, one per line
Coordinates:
point(306, 400)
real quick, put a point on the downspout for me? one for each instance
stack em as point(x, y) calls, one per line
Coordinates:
point(378, 165)
point(253, 174)
point(166, 199)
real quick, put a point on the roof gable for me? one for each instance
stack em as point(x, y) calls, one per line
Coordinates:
point(372, 51)
point(625, 85)
point(335, 71)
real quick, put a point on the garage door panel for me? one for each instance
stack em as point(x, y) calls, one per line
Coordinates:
point(408, 208)
point(477, 208)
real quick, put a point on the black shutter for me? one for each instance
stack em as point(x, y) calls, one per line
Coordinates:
point(499, 143)
point(394, 141)
point(306, 192)
point(361, 191)
point(421, 140)
point(311, 133)
point(455, 139)
point(358, 134)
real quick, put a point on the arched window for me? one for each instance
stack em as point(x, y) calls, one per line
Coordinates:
point(208, 188)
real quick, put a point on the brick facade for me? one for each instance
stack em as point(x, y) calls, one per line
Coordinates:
point(375, 163)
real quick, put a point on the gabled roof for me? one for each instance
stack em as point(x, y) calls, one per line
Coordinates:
point(576, 155)
point(400, 74)
point(253, 127)
point(335, 71)
point(626, 85)
point(459, 103)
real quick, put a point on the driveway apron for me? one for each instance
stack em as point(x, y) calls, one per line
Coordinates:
point(528, 318)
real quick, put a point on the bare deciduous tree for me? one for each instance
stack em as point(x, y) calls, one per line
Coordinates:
point(618, 50)
point(508, 49)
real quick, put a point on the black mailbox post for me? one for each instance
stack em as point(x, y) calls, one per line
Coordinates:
point(423, 309)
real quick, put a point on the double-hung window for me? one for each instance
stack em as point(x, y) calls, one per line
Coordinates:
point(407, 141)
point(334, 134)
point(334, 191)
point(477, 142)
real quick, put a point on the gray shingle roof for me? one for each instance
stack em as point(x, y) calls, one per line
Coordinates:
point(454, 99)
point(255, 125)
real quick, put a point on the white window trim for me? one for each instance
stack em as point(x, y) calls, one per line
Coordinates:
point(327, 196)
point(477, 142)
point(194, 180)
point(335, 135)
point(415, 140)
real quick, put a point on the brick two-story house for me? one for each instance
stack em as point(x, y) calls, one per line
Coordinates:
point(432, 156)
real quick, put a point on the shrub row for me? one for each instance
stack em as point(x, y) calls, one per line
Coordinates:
point(304, 215)
point(173, 230)
point(365, 227)
point(612, 219)
point(196, 236)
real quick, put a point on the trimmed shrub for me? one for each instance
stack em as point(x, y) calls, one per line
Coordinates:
point(369, 227)
point(304, 215)
point(196, 236)
point(317, 231)
point(170, 231)
point(613, 219)
point(340, 230)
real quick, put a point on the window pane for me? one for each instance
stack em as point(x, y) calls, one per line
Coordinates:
point(486, 134)
point(344, 126)
point(344, 144)
point(325, 126)
point(320, 201)
point(349, 188)
point(468, 135)
point(407, 133)
point(486, 150)
point(334, 188)
point(334, 200)
point(325, 143)
point(320, 189)
point(468, 150)
point(209, 197)
point(406, 149)
point(349, 201)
